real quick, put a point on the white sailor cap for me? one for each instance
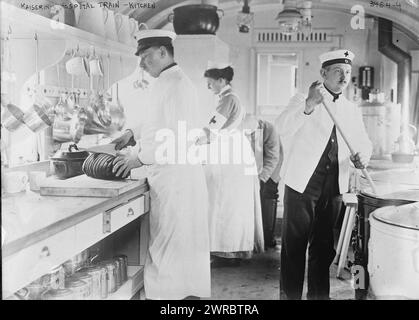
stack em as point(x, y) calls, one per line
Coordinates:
point(153, 37)
point(337, 56)
point(218, 65)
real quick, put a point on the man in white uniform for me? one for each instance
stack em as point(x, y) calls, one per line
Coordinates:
point(178, 262)
point(316, 172)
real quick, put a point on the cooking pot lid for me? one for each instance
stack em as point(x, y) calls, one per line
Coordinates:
point(397, 176)
point(409, 195)
point(70, 154)
point(406, 216)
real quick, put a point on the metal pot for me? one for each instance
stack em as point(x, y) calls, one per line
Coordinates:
point(394, 253)
point(12, 117)
point(196, 19)
point(58, 294)
point(123, 259)
point(22, 294)
point(79, 288)
point(83, 276)
point(367, 204)
point(55, 279)
point(99, 281)
point(35, 290)
point(69, 163)
point(36, 118)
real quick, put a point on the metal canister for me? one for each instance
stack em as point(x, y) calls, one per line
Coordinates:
point(71, 266)
point(79, 288)
point(22, 294)
point(83, 276)
point(35, 290)
point(58, 294)
point(124, 266)
point(118, 272)
point(55, 279)
point(99, 282)
point(83, 258)
point(110, 274)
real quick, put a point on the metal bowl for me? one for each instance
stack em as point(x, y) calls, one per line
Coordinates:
point(402, 157)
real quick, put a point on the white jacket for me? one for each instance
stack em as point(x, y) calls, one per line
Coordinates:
point(304, 138)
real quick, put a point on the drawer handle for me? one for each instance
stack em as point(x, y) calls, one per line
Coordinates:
point(45, 252)
point(130, 212)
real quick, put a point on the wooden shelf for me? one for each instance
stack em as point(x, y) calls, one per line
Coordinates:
point(32, 22)
point(134, 283)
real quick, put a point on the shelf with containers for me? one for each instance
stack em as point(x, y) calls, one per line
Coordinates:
point(86, 226)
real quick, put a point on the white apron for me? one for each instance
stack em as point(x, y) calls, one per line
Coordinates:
point(235, 218)
point(178, 260)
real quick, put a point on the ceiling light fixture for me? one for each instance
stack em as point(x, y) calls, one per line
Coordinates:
point(244, 18)
point(289, 18)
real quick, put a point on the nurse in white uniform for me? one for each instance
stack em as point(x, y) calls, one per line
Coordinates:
point(235, 221)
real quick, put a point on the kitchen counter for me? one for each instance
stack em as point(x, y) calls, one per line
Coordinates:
point(28, 217)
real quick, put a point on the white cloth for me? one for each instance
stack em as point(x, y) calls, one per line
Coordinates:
point(178, 262)
point(235, 218)
point(304, 138)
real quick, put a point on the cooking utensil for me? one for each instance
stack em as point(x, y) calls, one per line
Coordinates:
point(196, 19)
point(100, 166)
point(99, 281)
point(111, 274)
point(55, 279)
point(123, 259)
point(118, 272)
point(35, 290)
point(83, 276)
point(36, 117)
point(11, 117)
point(58, 294)
point(351, 149)
point(77, 65)
point(69, 163)
point(95, 65)
point(402, 157)
point(104, 148)
point(79, 288)
point(393, 252)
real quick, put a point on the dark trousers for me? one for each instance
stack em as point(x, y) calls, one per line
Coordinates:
point(268, 200)
point(307, 221)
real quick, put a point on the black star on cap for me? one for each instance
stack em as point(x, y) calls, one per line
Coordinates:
point(346, 53)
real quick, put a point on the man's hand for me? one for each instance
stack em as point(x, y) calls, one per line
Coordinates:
point(124, 140)
point(314, 98)
point(359, 160)
point(124, 163)
point(205, 138)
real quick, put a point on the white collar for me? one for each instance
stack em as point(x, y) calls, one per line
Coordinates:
point(169, 71)
point(223, 90)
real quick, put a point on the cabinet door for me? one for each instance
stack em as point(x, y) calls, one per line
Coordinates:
point(128, 212)
point(29, 264)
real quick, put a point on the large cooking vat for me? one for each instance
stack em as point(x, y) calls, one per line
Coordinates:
point(394, 188)
point(394, 252)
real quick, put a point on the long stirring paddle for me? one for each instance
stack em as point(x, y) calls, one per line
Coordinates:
point(351, 149)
